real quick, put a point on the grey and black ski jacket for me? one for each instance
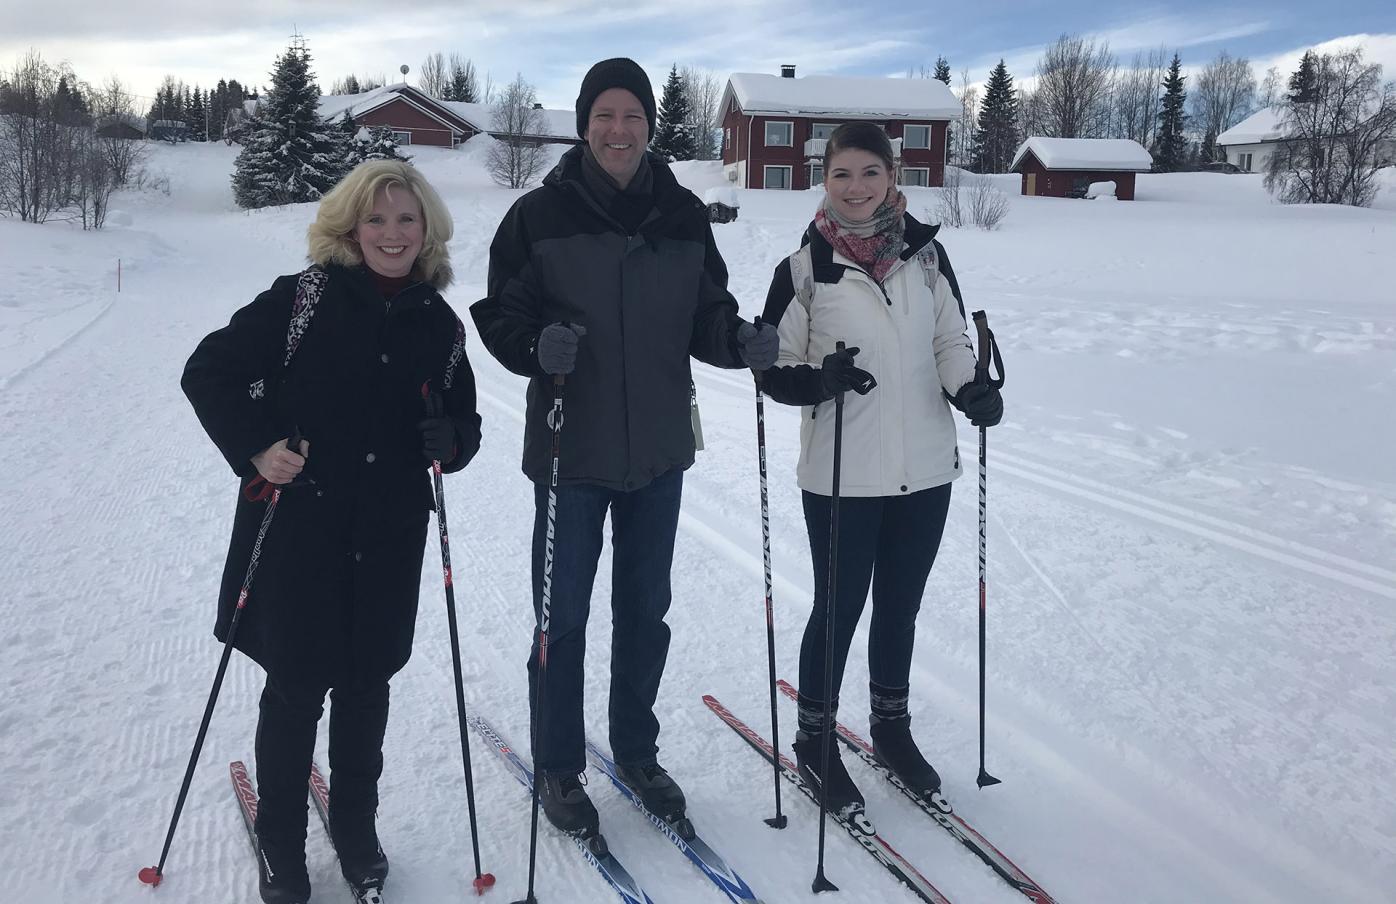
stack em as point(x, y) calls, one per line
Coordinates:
point(648, 301)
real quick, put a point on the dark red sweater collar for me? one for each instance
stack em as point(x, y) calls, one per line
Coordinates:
point(389, 286)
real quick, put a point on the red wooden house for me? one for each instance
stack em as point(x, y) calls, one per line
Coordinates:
point(419, 118)
point(774, 128)
point(1066, 167)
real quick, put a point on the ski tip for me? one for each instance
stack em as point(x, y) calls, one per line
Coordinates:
point(151, 875)
point(483, 883)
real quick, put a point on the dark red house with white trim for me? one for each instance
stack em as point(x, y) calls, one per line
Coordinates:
point(774, 127)
point(1058, 167)
point(418, 118)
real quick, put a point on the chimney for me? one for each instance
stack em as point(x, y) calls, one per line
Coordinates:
point(787, 71)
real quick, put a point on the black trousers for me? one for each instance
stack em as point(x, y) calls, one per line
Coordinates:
point(286, 726)
point(891, 543)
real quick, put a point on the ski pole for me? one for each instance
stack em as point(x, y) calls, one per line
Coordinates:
point(826, 726)
point(987, 346)
point(482, 881)
point(153, 875)
point(778, 821)
point(544, 616)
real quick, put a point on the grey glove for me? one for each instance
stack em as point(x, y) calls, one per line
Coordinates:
point(758, 345)
point(557, 347)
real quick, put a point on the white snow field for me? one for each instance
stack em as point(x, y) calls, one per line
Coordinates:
point(1192, 583)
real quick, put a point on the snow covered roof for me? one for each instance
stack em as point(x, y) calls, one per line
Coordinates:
point(333, 106)
point(557, 123)
point(1086, 154)
point(1263, 125)
point(842, 96)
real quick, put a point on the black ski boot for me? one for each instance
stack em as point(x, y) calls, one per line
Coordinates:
point(281, 873)
point(894, 748)
point(567, 806)
point(843, 796)
point(660, 794)
point(361, 858)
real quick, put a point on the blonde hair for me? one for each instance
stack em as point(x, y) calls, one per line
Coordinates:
point(331, 236)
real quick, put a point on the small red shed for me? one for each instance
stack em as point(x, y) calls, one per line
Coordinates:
point(1066, 167)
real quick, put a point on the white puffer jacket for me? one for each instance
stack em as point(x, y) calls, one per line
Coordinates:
point(910, 331)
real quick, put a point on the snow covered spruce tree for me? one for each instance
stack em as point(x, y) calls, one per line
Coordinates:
point(373, 143)
point(996, 138)
point(673, 134)
point(1171, 145)
point(290, 154)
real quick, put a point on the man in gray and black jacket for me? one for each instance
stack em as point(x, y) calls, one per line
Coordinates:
point(608, 274)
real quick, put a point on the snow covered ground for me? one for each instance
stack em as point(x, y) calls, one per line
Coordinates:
point(1192, 577)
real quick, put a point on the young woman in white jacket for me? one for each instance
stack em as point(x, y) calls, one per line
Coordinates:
point(869, 275)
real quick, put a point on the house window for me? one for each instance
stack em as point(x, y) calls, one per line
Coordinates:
point(823, 129)
point(776, 176)
point(780, 134)
point(918, 137)
point(1245, 162)
point(916, 175)
point(816, 174)
point(726, 140)
point(402, 137)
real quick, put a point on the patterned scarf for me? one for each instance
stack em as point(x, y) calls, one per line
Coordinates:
point(874, 244)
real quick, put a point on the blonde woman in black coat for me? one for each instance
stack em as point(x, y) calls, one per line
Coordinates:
point(338, 356)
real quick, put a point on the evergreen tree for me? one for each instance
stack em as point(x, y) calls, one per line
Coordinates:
point(1303, 84)
point(374, 143)
point(463, 85)
point(351, 84)
point(217, 110)
point(673, 135)
point(1171, 145)
point(289, 155)
point(942, 72)
point(996, 132)
point(196, 117)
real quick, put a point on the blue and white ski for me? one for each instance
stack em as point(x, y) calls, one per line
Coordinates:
point(604, 861)
point(694, 848)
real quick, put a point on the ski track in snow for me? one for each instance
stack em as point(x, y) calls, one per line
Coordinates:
point(1189, 640)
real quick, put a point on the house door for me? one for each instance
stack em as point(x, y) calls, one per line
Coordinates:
point(1032, 185)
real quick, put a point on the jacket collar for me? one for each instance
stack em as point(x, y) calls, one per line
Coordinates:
point(669, 196)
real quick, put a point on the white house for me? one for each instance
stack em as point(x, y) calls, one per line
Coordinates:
point(1250, 142)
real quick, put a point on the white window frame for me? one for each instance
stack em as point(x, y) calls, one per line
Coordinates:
point(831, 125)
point(726, 140)
point(766, 133)
point(916, 169)
point(402, 137)
point(816, 165)
point(907, 145)
point(789, 175)
point(1245, 160)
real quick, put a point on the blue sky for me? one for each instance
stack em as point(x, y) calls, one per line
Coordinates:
point(552, 42)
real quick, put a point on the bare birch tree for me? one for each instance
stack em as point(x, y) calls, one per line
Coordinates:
point(1136, 96)
point(517, 156)
point(434, 78)
point(704, 94)
point(1074, 78)
point(1221, 96)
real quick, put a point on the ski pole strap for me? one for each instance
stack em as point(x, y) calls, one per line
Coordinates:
point(988, 349)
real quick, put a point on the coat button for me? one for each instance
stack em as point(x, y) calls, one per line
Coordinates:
point(383, 357)
point(371, 458)
point(358, 557)
point(903, 488)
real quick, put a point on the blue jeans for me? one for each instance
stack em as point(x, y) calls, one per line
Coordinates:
point(643, 525)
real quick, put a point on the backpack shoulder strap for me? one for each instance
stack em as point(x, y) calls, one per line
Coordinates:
point(309, 287)
point(802, 276)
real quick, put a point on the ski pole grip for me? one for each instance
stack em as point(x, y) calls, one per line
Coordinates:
point(981, 327)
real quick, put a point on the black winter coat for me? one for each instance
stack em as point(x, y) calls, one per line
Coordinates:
point(335, 594)
point(648, 301)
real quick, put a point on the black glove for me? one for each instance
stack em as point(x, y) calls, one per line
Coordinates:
point(438, 438)
point(557, 347)
point(981, 403)
point(839, 374)
point(758, 345)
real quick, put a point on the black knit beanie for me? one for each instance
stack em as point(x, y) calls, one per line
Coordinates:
point(620, 72)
